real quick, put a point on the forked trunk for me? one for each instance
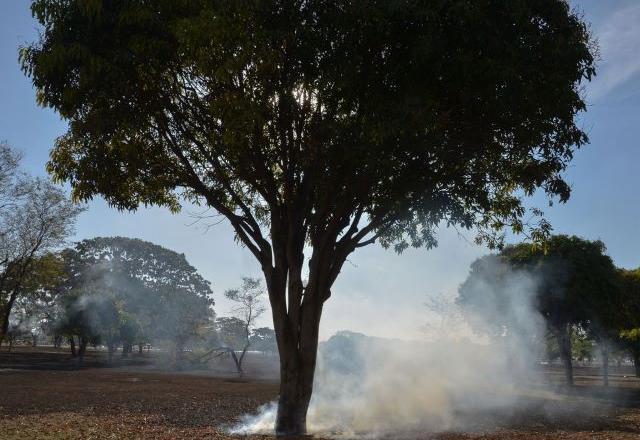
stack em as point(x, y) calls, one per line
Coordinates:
point(297, 368)
point(297, 308)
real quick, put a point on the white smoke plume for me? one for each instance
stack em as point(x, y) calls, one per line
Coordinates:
point(370, 387)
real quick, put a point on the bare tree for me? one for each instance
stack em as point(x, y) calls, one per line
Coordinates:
point(248, 307)
point(35, 217)
point(446, 309)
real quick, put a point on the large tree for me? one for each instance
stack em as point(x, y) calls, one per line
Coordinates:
point(574, 285)
point(155, 292)
point(315, 127)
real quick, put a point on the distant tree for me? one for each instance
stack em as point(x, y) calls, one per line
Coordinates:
point(317, 125)
point(630, 334)
point(230, 336)
point(33, 310)
point(571, 282)
point(492, 296)
point(448, 312)
point(577, 287)
point(264, 339)
point(236, 331)
point(136, 291)
point(36, 218)
point(582, 346)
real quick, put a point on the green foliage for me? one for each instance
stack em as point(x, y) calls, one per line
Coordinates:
point(572, 281)
point(131, 291)
point(582, 346)
point(403, 113)
point(231, 332)
point(630, 334)
point(264, 339)
point(578, 281)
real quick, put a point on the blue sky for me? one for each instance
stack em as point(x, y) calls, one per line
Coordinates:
point(381, 293)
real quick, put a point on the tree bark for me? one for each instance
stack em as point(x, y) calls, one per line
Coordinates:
point(563, 336)
point(296, 387)
point(72, 344)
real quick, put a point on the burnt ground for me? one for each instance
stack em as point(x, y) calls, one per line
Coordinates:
point(46, 395)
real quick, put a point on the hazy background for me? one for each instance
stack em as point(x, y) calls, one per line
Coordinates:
point(378, 292)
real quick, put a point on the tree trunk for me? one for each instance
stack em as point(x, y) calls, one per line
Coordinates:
point(236, 361)
point(636, 361)
point(604, 350)
point(110, 349)
point(72, 344)
point(34, 340)
point(297, 368)
point(6, 314)
point(563, 336)
point(82, 348)
point(179, 356)
point(297, 307)
point(241, 358)
point(296, 386)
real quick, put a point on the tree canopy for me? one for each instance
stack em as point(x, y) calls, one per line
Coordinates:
point(570, 281)
point(131, 290)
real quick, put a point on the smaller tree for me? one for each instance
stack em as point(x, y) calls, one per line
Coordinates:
point(248, 306)
point(32, 311)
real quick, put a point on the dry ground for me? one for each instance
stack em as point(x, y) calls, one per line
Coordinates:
point(44, 395)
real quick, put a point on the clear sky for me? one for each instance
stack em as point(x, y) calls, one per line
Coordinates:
point(378, 292)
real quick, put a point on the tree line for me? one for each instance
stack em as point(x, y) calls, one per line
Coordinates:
point(113, 291)
point(583, 298)
point(122, 292)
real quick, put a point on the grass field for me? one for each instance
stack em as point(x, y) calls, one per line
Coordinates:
point(45, 395)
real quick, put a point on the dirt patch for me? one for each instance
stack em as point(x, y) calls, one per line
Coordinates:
point(61, 400)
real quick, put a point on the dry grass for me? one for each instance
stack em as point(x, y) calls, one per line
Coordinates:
point(45, 396)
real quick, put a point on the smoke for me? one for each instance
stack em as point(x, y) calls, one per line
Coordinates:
point(458, 381)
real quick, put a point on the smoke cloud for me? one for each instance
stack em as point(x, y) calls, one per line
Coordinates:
point(369, 386)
